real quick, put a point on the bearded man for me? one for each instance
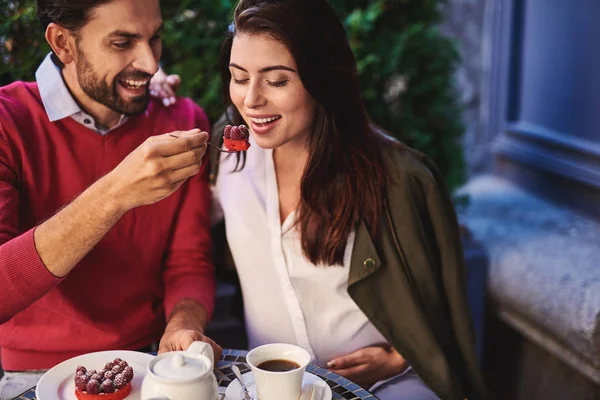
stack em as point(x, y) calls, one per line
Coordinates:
point(104, 202)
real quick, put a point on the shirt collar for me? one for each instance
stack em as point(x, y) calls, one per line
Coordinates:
point(58, 101)
point(56, 98)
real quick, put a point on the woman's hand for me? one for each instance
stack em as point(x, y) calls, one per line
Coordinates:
point(369, 365)
point(163, 86)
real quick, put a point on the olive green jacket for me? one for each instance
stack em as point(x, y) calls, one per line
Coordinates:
point(409, 279)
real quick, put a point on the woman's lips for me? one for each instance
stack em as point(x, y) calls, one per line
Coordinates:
point(263, 128)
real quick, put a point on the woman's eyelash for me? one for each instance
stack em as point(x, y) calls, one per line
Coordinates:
point(275, 84)
point(279, 83)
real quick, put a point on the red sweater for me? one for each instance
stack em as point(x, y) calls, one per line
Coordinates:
point(118, 295)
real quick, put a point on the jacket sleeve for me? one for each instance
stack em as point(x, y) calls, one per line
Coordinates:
point(23, 277)
point(188, 270)
point(447, 236)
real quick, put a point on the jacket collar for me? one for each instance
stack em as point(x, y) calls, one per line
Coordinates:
point(365, 258)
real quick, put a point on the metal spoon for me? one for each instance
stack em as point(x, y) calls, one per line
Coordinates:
point(238, 375)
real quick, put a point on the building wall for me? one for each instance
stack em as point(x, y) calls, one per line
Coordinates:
point(468, 22)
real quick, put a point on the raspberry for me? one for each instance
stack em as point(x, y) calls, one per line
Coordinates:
point(123, 364)
point(81, 377)
point(128, 373)
point(244, 131)
point(120, 382)
point(235, 133)
point(109, 375)
point(81, 386)
point(227, 131)
point(108, 366)
point(116, 369)
point(117, 360)
point(93, 387)
point(107, 386)
point(97, 377)
point(81, 368)
point(92, 372)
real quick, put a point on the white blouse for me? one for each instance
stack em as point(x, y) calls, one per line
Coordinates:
point(286, 297)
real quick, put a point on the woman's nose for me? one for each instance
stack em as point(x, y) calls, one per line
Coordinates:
point(254, 98)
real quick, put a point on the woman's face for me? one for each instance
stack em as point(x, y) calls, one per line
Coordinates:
point(267, 91)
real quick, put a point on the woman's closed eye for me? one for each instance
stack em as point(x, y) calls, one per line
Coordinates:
point(271, 83)
point(239, 81)
point(278, 83)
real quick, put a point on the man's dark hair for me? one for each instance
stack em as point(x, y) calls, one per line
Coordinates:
point(72, 15)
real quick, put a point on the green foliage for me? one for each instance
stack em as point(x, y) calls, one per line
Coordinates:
point(22, 43)
point(405, 64)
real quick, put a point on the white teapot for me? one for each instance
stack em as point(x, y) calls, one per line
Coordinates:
point(181, 375)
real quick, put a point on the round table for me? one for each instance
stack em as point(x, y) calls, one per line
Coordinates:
point(341, 387)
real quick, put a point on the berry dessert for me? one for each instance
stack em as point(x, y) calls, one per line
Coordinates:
point(236, 137)
point(113, 382)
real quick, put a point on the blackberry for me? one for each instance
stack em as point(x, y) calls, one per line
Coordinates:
point(109, 375)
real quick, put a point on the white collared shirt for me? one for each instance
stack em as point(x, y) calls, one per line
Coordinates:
point(286, 297)
point(58, 101)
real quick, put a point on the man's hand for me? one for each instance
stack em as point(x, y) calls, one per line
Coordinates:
point(176, 339)
point(369, 365)
point(185, 326)
point(157, 168)
point(163, 87)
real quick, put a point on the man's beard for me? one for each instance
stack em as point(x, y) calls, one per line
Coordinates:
point(101, 92)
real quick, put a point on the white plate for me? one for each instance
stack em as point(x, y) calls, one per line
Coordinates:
point(58, 382)
point(235, 391)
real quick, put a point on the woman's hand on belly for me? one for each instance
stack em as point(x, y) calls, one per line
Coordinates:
point(369, 365)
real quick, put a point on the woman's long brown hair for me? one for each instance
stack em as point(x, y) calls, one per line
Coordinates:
point(344, 178)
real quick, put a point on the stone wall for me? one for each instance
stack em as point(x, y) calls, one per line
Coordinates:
point(469, 22)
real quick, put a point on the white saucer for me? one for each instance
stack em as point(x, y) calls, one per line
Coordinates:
point(58, 382)
point(235, 391)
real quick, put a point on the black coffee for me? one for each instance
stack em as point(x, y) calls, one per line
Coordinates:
point(278, 365)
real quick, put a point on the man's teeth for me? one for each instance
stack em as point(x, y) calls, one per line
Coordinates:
point(136, 84)
point(264, 120)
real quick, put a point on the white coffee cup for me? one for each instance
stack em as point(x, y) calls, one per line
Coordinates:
point(271, 385)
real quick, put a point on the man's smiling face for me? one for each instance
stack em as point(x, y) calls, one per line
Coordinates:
point(118, 52)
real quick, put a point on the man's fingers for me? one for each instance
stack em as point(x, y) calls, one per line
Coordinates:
point(217, 350)
point(180, 175)
point(191, 157)
point(181, 142)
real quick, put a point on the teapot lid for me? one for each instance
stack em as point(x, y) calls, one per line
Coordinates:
point(176, 366)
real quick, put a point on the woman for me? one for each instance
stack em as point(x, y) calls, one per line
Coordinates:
point(345, 241)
